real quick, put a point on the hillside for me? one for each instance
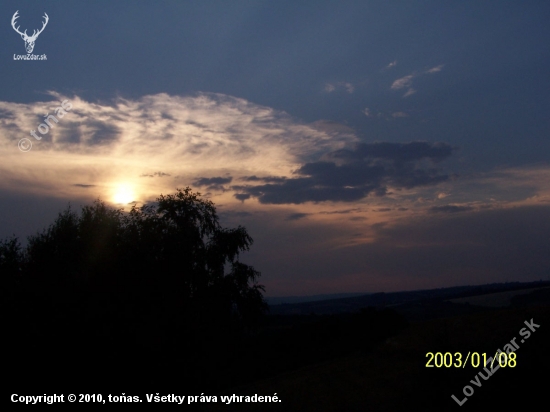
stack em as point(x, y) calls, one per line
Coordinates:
point(394, 376)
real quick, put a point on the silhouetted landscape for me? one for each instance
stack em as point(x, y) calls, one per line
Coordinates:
point(158, 298)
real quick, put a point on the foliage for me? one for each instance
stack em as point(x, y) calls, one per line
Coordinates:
point(163, 277)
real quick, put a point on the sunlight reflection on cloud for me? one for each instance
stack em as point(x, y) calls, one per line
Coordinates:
point(186, 137)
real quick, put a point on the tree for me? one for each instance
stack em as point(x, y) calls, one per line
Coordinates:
point(163, 278)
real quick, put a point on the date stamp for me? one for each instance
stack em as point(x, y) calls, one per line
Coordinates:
point(476, 359)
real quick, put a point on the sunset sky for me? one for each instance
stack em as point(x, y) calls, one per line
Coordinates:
point(366, 146)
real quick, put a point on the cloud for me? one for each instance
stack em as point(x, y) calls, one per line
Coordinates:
point(450, 209)
point(435, 69)
point(156, 174)
point(208, 181)
point(297, 216)
point(242, 196)
point(332, 87)
point(213, 183)
point(349, 175)
point(379, 115)
point(399, 114)
point(109, 143)
point(341, 212)
point(392, 64)
point(267, 179)
point(349, 87)
point(402, 82)
point(406, 81)
point(83, 185)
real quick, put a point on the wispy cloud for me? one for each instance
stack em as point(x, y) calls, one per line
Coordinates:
point(195, 137)
point(345, 86)
point(402, 82)
point(407, 81)
point(371, 114)
point(155, 174)
point(399, 114)
point(435, 69)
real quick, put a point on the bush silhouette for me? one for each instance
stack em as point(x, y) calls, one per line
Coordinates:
point(160, 285)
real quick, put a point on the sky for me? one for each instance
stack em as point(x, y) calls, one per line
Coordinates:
point(366, 146)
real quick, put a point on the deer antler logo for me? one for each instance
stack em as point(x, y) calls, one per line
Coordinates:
point(29, 40)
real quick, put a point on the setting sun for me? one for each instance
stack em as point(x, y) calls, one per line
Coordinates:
point(123, 194)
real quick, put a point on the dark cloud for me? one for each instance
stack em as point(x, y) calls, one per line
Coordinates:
point(341, 212)
point(83, 185)
point(156, 174)
point(297, 216)
point(303, 190)
point(208, 181)
point(350, 175)
point(213, 183)
point(268, 179)
point(242, 196)
point(450, 209)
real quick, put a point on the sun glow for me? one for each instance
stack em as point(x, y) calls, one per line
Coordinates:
point(123, 193)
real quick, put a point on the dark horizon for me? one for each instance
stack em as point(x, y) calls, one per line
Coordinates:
point(337, 296)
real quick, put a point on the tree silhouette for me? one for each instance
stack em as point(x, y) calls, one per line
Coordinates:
point(162, 283)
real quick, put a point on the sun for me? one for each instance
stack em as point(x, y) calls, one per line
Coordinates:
point(123, 193)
